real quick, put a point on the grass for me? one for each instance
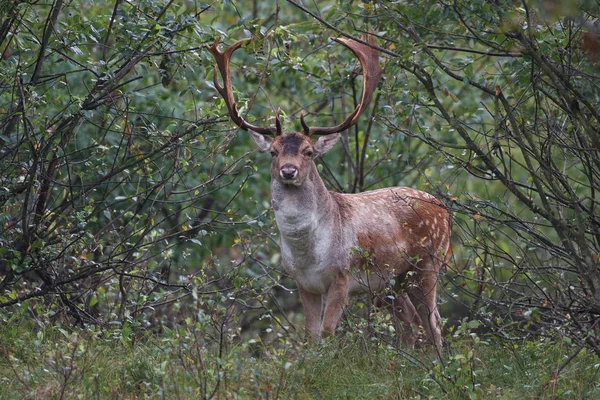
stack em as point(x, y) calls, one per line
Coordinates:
point(43, 362)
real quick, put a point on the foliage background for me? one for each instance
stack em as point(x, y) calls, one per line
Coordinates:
point(130, 204)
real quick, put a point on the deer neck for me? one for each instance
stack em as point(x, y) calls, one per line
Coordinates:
point(302, 211)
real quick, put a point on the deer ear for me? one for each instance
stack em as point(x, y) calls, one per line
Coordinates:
point(325, 143)
point(262, 142)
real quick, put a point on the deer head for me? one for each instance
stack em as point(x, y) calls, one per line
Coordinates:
point(293, 152)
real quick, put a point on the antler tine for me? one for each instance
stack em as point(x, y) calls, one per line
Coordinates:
point(277, 123)
point(304, 126)
point(369, 60)
point(222, 58)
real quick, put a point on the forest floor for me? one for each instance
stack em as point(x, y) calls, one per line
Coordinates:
point(46, 362)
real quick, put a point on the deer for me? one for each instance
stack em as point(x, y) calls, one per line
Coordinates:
point(336, 245)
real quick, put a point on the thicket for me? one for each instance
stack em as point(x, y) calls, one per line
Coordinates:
point(129, 200)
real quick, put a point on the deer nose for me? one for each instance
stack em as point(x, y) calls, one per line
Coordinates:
point(288, 172)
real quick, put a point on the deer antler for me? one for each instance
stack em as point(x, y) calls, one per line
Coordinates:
point(369, 60)
point(226, 91)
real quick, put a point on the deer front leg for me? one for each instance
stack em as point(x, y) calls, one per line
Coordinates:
point(312, 312)
point(337, 295)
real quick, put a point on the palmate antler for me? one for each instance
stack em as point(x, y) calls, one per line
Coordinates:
point(369, 60)
point(226, 90)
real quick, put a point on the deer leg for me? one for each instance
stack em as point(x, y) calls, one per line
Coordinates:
point(405, 311)
point(337, 295)
point(312, 312)
point(422, 292)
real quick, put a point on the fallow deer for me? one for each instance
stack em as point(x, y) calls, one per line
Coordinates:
point(336, 244)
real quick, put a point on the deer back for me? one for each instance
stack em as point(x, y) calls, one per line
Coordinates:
point(391, 232)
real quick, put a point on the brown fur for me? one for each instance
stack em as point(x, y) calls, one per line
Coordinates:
point(396, 233)
point(334, 244)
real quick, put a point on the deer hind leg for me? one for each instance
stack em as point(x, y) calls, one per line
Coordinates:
point(422, 291)
point(312, 305)
point(404, 311)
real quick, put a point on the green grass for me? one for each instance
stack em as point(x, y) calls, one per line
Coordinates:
point(40, 362)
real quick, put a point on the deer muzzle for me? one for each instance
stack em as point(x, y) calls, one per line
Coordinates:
point(288, 172)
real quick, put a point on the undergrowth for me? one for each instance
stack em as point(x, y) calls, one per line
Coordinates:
point(51, 362)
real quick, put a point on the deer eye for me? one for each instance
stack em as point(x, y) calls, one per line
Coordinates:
point(309, 153)
point(273, 154)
